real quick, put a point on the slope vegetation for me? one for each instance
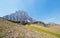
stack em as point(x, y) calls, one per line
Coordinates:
point(44, 30)
point(12, 30)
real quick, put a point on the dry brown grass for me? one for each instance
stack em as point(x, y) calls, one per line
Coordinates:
point(13, 30)
point(55, 28)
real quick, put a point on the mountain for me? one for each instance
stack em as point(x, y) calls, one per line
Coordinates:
point(19, 16)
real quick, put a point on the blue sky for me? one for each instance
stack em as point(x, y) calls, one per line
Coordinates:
point(43, 10)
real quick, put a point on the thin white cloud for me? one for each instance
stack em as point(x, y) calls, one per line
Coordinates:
point(48, 20)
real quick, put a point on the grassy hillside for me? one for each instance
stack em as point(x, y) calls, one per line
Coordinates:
point(44, 30)
point(54, 28)
point(12, 30)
